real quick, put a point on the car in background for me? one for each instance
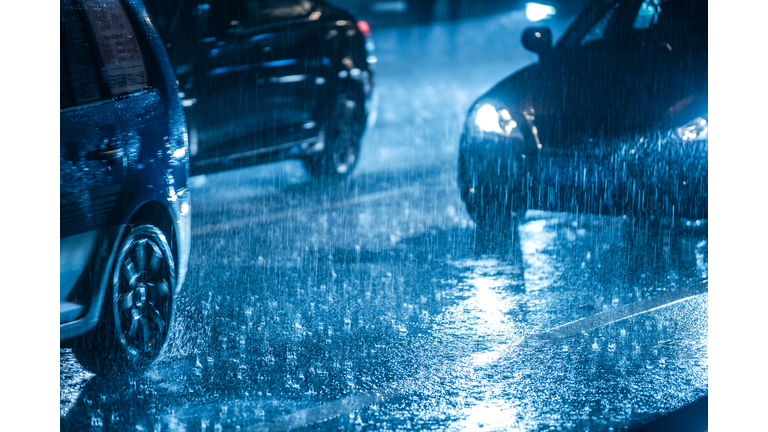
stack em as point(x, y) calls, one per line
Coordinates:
point(383, 13)
point(268, 80)
point(124, 209)
point(613, 119)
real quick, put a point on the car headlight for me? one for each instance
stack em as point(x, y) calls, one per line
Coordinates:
point(694, 130)
point(488, 118)
point(538, 12)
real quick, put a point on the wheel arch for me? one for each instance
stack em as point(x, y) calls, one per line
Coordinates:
point(155, 213)
point(150, 212)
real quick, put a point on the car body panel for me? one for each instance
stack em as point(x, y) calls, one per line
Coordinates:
point(599, 122)
point(257, 77)
point(118, 155)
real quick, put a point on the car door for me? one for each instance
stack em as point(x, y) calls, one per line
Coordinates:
point(291, 77)
point(261, 75)
point(249, 73)
point(138, 105)
point(91, 158)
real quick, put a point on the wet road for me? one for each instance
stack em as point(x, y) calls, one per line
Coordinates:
point(376, 304)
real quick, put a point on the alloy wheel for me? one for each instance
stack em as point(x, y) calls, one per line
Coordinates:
point(143, 284)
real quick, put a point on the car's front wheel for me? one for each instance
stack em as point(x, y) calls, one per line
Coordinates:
point(138, 306)
point(494, 206)
point(342, 134)
point(489, 203)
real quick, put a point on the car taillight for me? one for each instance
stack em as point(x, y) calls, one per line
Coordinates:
point(365, 29)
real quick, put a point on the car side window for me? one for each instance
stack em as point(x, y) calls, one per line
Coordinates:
point(598, 30)
point(79, 70)
point(647, 16)
point(125, 66)
point(667, 24)
point(590, 25)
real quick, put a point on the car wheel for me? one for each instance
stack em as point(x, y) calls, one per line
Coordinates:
point(493, 206)
point(342, 132)
point(489, 205)
point(138, 306)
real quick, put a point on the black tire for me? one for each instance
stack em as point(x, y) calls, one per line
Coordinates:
point(138, 308)
point(493, 206)
point(489, 204)
point(342, 133)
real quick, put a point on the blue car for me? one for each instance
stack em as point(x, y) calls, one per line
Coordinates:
point(125, 208)
point(613, 119)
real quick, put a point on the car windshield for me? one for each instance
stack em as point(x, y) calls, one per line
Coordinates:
point(629, 24)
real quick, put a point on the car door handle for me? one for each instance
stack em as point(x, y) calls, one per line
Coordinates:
point(104, 154)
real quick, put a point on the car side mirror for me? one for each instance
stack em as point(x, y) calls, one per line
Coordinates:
point(538, 40)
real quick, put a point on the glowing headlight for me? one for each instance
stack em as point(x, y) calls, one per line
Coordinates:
point(537, 12)
point(488, 119)
point(694, 130)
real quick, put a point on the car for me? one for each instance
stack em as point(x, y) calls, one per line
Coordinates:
point(613, 119)
point(125, 207)
point(402, 12)
point(269, 80)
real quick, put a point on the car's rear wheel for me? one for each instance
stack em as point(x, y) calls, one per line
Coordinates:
point(342, 134)
point(138, 306)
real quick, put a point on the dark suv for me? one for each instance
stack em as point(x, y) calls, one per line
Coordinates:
point(124, 211)
point(266, 80)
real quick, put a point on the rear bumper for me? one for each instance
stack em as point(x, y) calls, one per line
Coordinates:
point(94, 283)
point(103, 257)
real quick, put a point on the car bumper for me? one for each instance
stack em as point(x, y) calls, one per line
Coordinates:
point(103, 256)
point(659, 177)
point(182, 214)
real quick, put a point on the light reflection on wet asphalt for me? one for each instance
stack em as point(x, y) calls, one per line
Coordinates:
point(375, 305)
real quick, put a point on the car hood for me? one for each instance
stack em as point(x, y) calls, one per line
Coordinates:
point(584, 95)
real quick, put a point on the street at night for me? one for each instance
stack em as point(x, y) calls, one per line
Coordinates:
point(377, 303)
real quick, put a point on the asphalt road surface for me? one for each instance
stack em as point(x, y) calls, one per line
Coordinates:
point(377, 305)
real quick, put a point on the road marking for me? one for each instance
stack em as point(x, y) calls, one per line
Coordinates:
point(617, 314)
point(349, 404)
point(251, 221)
point(318, 414)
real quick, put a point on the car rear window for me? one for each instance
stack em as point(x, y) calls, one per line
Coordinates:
point(119, 48)
point(79, 71)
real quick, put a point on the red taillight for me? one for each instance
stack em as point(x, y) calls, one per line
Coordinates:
point(365, 29)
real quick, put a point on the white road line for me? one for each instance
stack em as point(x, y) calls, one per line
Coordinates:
point(617, 314)
point(310, 416)
point(251, 221)
point(320, 413)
